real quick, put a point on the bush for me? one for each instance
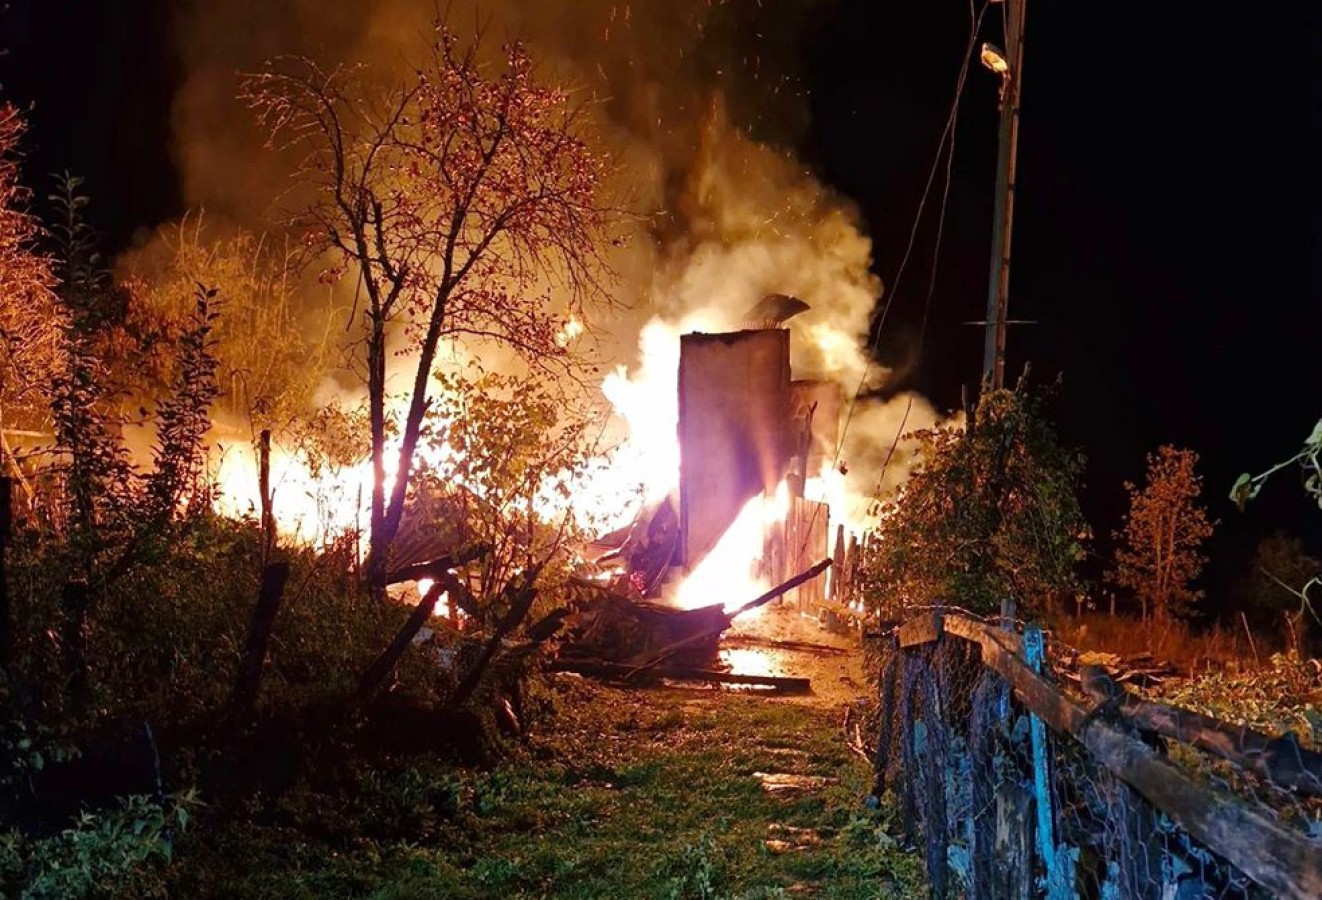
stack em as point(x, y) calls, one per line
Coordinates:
point(102, 854)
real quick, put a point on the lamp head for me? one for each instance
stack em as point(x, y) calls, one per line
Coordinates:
point(993, 58)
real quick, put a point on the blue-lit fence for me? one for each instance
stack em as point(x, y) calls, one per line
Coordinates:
point(1012, 788)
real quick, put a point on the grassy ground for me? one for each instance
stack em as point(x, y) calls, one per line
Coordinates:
point(629, 794)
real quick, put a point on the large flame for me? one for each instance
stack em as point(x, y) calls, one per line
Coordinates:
point(315, 505)
point(730, 574)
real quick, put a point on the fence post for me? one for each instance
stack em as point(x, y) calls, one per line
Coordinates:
point(1057, 886)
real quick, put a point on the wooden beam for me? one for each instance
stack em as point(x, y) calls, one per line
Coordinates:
point(243, 695)
point(921, 630)
point(1280, 860)
point(1280, 760)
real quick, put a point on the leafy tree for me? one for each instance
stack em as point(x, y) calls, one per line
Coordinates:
point(29, 316)
point(991, 513)
point(516, 450)
point(265, 363)
point(96, 473)
point(1158, 557)
point(114, 515)
point(456, 200)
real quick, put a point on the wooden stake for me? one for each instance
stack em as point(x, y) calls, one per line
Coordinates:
point(264, 488)
point(260, 626)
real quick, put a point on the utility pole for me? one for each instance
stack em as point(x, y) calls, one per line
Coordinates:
point(1010, 66)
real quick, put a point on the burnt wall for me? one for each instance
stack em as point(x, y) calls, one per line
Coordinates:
point(734, 428)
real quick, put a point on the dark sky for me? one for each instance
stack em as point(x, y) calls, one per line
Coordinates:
point(1166, 237)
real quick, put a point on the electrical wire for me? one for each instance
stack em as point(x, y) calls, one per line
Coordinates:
point(946, 147)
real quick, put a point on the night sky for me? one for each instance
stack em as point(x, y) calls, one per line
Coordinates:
point(1166, 235)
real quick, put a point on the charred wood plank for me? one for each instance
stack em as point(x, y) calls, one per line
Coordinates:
point(795, 646)
point(437, 569)
point(1280, 760)
point(375, 674)
point(781, 589)
point(725, 619)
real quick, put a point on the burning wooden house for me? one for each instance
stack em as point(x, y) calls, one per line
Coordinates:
point(751, 440)
point(748, 430)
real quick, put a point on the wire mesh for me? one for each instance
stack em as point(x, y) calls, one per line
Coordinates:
point(954, 748)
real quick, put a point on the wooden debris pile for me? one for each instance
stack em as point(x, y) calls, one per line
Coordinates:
point(1140, 669)
point(619, 638)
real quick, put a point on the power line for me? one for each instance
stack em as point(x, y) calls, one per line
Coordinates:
point(946, 145)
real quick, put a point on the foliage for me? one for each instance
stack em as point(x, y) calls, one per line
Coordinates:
point(514, 450)
point(97, 478)
point(29, 317)
point(102, 854)
point(990, 513)
point(1158, 557)
point(1282, 696)
point(1247, 487)
point(1309, 459)
point(265, 364)
point(110, 517)
point(458, 200)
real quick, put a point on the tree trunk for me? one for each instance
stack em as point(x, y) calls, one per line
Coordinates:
point(75, 600)
point(264, 488)
point(378, 542)
point(260, 626)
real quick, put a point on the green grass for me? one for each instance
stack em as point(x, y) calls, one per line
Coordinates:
point(628, 794)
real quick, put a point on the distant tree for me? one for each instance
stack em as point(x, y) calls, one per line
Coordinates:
point(30, 320)
point(1158, 556)
point(455, 200)
point(991, 513)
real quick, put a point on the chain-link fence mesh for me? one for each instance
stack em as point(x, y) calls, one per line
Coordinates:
point(995, 817)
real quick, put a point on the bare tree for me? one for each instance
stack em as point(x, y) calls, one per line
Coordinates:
point(460, 199)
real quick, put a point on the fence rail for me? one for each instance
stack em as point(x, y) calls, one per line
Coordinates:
point(1095, 808)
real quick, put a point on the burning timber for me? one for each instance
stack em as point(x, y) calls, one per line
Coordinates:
point(622, 639)
point(749, 511)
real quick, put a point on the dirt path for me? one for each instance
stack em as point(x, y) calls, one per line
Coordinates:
point(652, 792)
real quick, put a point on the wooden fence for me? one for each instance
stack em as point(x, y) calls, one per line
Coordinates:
point(1096, 807)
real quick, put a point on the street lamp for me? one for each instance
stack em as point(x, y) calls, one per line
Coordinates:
point(994, 59)
point(1010, 67)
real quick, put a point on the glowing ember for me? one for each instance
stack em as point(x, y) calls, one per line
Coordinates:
point(745, 661)
point(729, 573)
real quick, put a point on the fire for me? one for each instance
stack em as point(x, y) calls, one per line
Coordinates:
point(314, 505)
point(729, 574)
point(649, 404)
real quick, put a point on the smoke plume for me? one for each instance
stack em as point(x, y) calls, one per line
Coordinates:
point(697, 101)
